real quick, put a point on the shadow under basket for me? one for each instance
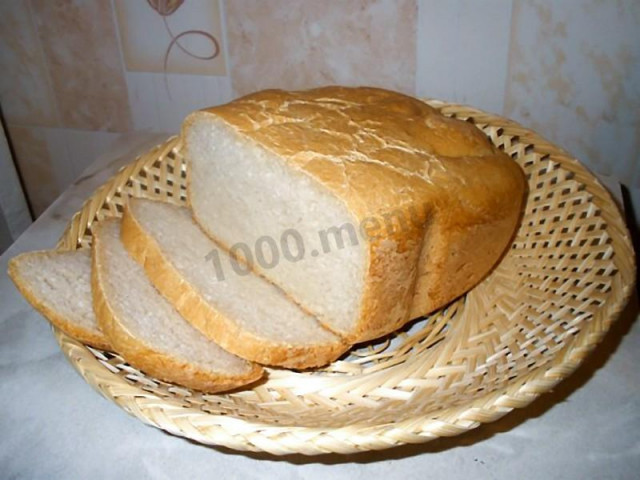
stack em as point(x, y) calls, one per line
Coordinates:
point(528, 325)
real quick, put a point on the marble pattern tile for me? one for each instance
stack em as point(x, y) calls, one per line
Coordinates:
point(310, 43)
point(462, 51)
point(25, 92)
point(574, 72)
point(36, 169)
point(80, 42)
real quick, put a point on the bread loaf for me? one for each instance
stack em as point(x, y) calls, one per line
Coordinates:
point(394, 209)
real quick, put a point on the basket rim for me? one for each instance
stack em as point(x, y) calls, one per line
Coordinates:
point(242, 434)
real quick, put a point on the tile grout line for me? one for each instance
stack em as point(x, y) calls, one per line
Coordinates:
point(225, 45)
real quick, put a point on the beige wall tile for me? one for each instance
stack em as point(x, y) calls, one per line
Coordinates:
point(463, 48)
point(160, 103)
point(84, 147)
point(574, 72)
point(80, 43)
point(72, 151)
point(25, 94)
point(308, 43)
point(36, 169)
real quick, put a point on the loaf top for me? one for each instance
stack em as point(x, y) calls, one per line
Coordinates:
point(369, 145)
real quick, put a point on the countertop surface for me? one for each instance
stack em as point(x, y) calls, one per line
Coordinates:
point(53, 425)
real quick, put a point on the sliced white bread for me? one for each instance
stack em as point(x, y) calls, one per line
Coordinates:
point(148, 332)
point(399, 209)
point(245, 314)
point(58, 285)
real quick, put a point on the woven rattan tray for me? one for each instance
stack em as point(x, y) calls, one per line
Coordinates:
point(523, 329)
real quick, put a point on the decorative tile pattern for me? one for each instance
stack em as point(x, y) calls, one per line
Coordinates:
point(189, 37)
point(574, 75)
point(25, 92)
point(310, 43)
point(79, 40)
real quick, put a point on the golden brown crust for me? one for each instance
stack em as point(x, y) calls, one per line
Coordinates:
point(380, 151)
point(89, 337)
point(212, 323)
point(144, 357)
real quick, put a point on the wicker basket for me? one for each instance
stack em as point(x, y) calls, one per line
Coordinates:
point(527, 326)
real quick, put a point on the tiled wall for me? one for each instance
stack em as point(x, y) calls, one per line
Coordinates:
point(78, 74)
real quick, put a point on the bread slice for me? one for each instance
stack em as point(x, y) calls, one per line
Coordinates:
point(58, 285)
point(148, 332)
point(245, 314)
point(390, 209)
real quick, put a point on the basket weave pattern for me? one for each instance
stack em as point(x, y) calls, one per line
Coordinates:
point(527, 326)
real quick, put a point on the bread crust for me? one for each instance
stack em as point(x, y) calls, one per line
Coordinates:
point(379, 151)
point(146, 358)
point(94, 339)
point(212, 323)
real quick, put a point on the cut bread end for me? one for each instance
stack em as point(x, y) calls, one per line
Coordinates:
point(245, 314)
point(148, 332)
point(58, 285)
point(257, 195)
